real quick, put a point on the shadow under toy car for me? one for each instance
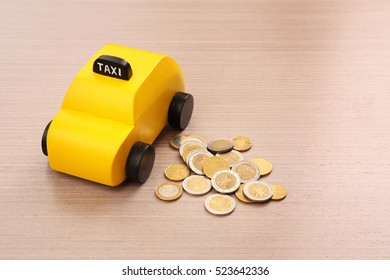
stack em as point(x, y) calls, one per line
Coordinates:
point(113, 111)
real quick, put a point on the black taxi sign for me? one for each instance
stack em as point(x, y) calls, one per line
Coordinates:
point(112, 66)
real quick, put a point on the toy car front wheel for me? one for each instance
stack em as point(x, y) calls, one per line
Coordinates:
point(140, 162)
point(180, 110)
point(44, 139)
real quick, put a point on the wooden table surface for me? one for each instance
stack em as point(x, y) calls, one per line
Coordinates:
point(308, 81)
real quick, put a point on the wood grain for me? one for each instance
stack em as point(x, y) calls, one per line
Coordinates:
point(308, 81)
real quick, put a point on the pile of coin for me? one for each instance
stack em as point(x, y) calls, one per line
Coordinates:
point(218, 164)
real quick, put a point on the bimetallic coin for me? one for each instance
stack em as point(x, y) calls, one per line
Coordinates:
point(176, 141)
point(193, 152)
point(219, 204)
point(258, 191)
point(225, 181)
point(242, 143)
point(280, 192)
point(177, 172)
point(232, 157)
point(195, 138)
point(247, 170)
point(240, 195)
point(264, 165)
point(188, 147)
point(169, 191)
point(197, 185)
point(213, 164)
point(220, 146)
point(197, 159)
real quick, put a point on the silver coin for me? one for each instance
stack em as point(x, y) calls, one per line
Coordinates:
point(225, 181)
point(219, 204)
point(247, 170)
point(196, 159)
point(232, 157)
point(197, 185)
point(258, 191)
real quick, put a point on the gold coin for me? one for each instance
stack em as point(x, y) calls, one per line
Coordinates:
point(177, 172)
point(220, 146)
point(242, 143)
point(258, 191)
point(189, 146)
point(247, 170)
point(225, 181)
point(176, 141)
point(240, 195)
point(195, 138)
point(219, 204)
point(232, 157)
point(213, 164)
point(196, 160)
point(264, 165)
point(197, 185)
point(280, 192)
point(169, 191)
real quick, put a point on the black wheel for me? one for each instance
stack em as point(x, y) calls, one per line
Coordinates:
point(140, 162)
point(44, 137)
point(180, 110)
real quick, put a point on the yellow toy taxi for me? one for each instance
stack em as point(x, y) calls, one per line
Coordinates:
point(113, 111)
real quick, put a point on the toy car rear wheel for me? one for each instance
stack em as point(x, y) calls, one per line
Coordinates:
point(180, 110)
point(140, 162)
point(44, 139)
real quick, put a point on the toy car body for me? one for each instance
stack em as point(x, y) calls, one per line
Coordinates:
point(113, 111)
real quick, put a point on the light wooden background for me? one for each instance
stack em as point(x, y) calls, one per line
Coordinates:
point(308, 81)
